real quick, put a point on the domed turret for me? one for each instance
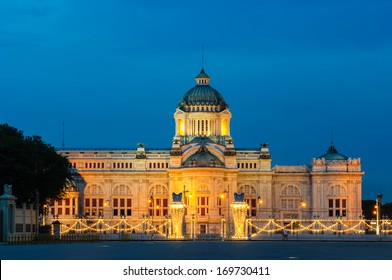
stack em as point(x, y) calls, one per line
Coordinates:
point(202, 97)
point(333, 154)
point(202, 112)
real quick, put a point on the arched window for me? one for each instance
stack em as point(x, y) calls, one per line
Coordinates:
point(93, 200)
point(337, 201)
point(291, 190)
point(158, 202)
point(291, 198)
point(122, 201)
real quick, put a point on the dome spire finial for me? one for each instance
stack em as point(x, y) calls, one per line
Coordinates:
point(202, 57)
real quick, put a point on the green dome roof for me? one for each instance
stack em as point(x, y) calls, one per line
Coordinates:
point(202, 95)
point(333, 154)
point(203, 158)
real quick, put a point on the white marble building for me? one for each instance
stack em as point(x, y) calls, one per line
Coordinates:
point(204, 164)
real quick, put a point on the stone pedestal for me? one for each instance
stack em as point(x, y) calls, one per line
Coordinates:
point(239, 215)
point(56, 229)
point(7, 213)
point(177, 210)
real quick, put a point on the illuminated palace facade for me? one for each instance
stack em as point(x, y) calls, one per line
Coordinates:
point(208, 169)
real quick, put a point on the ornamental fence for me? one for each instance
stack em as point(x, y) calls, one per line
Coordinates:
point(318, 226)
point(100, 229)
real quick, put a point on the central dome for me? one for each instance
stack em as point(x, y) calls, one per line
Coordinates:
point(202, 97)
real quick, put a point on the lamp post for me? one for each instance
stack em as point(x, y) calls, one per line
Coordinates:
point(151, 206)
point(228, 211)
point(37, 211)
point(193, 226)
point(378, 209)
point(186, 202)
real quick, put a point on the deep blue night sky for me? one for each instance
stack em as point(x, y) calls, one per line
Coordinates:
point(291, 71)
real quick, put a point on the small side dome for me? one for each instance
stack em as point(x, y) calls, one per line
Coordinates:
point(203, 158)
point(333, 154)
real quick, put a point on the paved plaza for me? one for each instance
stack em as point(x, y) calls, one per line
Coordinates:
point(231, 250)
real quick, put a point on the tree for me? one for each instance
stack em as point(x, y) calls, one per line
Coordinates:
point(31, 165)
point(368, 208)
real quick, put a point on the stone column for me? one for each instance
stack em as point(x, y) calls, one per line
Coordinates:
point(7, 210)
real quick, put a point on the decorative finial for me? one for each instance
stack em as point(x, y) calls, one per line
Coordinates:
point(62, 138)
point(331, 135)
point(202, 57)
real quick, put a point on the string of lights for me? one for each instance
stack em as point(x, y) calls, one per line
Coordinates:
point(256, 226)
point(113, 225)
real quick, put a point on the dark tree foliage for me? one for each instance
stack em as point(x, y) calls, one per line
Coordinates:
point(368, 208)
point(31, 165)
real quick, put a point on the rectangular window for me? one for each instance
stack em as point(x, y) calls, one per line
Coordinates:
point(343, 203)
point(60, 211)
point(337, 203)
point(94, 202)
point(129, 212)
point(203, 205)
point(87, 202)
point(67, 201)
point(122, 202)
point(67, 211)
point(284, 203)
point(115, 212)
point(330, 203)
point(115, 202)
point(60, 202)
point(253, 203)
point(100, 202)
point(19, 228)
point(87, 212)
point(129, 202)
point(165, 202)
